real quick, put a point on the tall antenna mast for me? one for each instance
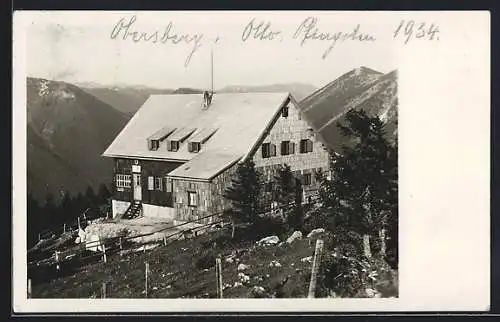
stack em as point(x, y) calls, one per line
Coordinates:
point(212, 69)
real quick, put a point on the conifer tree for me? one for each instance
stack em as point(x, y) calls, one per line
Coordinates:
point(289, 196)
point(103, 193)
point(244, 194)
point(90, 197)
point(285, 185)
point(363, 189)
point(50, 211)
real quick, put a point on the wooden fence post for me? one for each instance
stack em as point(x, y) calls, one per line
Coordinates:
point(164, 240)
point(64, 227)
point(103, 290)
point(79, 226)
point(146, 280)
point(29, 288)
point(366, 246)
point(121, 247)
point(218, 276)
point(103, 251)
point(39, 236)
point(315, 267)
point(57, 259)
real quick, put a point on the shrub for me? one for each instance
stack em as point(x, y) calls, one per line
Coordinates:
point(266, 226)
point(349, 274)
point(206, 260)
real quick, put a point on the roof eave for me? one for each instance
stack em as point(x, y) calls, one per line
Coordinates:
point(108, 155)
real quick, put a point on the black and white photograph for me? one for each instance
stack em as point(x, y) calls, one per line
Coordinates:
point(217, 155)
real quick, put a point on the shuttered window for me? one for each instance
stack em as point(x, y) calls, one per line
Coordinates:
point(306, 146)
point(287, 147)
point(306, 179)
point(150, 183)
point(284, 111)
point(268, 150)
point(158, 183)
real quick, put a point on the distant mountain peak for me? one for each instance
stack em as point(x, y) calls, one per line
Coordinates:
point(360, 88)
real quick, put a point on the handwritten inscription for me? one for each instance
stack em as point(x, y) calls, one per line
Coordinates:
point(308, 30)
point(413, 30)
point(260, 31)
point(124, 29)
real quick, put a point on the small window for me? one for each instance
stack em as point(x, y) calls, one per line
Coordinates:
point(173, 146)
point(284, 111)
point(158, 183)
point(287, 147)
point(268, 150)
point(123, 180)
point(154, 145)
point(306, 146)
point(307, 179)
point(192, 199)
point(150, 183)
point(194, 147)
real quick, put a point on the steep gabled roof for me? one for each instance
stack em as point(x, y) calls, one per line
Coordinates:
point(238, 118)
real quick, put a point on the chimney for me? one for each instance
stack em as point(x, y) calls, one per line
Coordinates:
point(207, 99)
point(207, 96)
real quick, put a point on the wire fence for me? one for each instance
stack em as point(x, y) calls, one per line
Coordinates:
point(101, 248)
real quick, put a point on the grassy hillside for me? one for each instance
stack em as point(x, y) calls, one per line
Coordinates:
point(185, 269)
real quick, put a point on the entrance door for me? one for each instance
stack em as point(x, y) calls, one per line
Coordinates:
point(137, 186)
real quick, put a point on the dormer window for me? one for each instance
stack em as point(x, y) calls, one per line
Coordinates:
point(154, 145)
point(173, 146)
point(284, 111)
point(194, 147)
point(155, 139)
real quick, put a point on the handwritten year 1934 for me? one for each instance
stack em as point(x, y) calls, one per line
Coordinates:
point(409, 29)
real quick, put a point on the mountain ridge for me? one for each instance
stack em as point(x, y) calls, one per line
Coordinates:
point(67, 130)
point(360, 88)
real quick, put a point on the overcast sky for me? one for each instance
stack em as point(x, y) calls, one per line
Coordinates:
point(90, 47)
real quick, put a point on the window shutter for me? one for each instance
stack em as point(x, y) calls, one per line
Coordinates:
point(169, 185)
point(309, 146)
point(150, 183)
point(283, 147)
point(273, 150)
point(292, 147)
point(264, 150)
point(169, 145)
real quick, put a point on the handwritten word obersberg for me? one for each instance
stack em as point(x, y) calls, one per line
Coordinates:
point(123, 28)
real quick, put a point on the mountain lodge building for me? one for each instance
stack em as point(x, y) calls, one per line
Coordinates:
point(178, 153)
